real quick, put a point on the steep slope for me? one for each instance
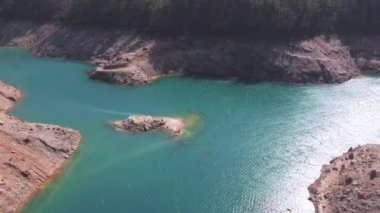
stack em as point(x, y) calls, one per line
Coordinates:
point(350, 183)
point(30, 153)
point(131, 58)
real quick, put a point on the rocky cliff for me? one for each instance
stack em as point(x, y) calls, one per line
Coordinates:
point(30, 153)
point(350, 183)
point(126, 57)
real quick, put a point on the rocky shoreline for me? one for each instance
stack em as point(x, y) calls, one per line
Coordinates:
point(130, 58)
point(350, 183)
point(145, 123)
point(30, 153)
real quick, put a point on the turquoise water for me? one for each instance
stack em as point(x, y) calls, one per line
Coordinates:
point(257, 147)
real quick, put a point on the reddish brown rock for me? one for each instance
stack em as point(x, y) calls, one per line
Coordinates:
point(30, 153)
point(315, 60)
point(8, 96)
point(355, 188)
point(144, 123)
point(365, 51)
point(126, 57)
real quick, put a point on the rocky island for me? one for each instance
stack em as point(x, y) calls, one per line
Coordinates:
point(144, 123)
point(350, 183)
point(30, 153)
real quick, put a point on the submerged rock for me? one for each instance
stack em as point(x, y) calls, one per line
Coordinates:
point(353, 188)
point(144, 123)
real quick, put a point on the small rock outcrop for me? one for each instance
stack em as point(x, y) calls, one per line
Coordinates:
point(350, 183)
point(132, 68)
point(30, 153)
point(317, 60)
point(126, 69)
point(144, 123)
point(8, 96)
point(123, 76)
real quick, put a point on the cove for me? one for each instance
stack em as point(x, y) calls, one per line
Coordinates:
point(257, 148)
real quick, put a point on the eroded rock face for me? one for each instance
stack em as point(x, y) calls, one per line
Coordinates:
point(143, 123)
point(365, 50)
point(350, 183)
point(30, 153)
point(8, 96)
point(126, 57)
point(317, 60)
point(125, 76)
point(131, 68)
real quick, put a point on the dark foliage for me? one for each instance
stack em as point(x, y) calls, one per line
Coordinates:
point(235, 17)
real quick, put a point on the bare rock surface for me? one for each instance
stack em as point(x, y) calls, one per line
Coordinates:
point(30, 153)
point(350, 183)
point(128, 69)
point(144, 123)
point(365, 50)
point(318, 60)
point(130, 58)
point(8, 95)
point(315, 60)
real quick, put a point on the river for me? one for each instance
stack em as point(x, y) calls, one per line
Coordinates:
point(255, 147)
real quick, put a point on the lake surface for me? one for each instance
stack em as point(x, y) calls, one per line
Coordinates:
point(256, 147)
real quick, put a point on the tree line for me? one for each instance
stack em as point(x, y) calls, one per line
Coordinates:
point(235, 17)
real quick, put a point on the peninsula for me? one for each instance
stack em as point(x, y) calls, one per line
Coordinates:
point(350, 183)
point(30, 153)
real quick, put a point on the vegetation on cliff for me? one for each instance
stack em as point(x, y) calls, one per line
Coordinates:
point(243, 17)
